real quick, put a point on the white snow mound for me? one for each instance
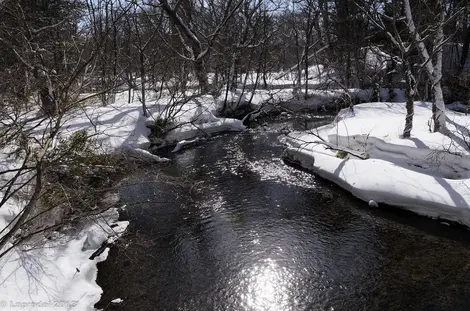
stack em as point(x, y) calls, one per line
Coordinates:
point(427, 174)
point(58, 275)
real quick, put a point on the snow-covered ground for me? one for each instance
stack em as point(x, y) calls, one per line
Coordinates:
point(428, 174)
point(196, 118)
point(58, 274)
point(122, 126)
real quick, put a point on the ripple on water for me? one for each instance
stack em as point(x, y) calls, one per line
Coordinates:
point(260, 235)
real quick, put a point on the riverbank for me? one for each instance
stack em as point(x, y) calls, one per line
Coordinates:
point(57, 267)
point(117, 128)
point(427, 174)
point(236, 228)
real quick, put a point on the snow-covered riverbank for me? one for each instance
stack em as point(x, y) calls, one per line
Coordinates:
point(57, 273)
point(427, 174)
point(399, 172)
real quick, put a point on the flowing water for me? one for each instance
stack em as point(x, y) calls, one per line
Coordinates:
point(228, 226)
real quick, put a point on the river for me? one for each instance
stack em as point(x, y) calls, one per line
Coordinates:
point(227, 225)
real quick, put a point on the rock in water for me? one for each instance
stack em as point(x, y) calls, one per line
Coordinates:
point(372, 203)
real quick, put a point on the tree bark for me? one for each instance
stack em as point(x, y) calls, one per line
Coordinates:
point(466, 40)
point(142, 82)
point(465, 50)
point(439, 116)
point(410, 92)
point(199, 68)
point(433, 71)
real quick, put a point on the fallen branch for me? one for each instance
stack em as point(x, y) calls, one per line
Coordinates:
point(360, 155)
point(330, 146)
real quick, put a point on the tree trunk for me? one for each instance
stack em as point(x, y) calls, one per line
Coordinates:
point(410, 92)
point(434, 72)
point(265, 82)
point(234, 72)
point(142, 81)
point(48, 101)
point(466, 40)
point(130, 85)
point(27, 209)
point(306, 67)
point(201, 76)
point(465, 50)
point(215, 83)
point(438, 114)
point(348, 69)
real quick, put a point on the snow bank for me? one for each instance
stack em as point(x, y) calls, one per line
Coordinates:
point(261, 98)
point(196, 119)
point(459, 106)
point(333, 98)
point(58, 275)
point(427, 174)
point(188, 131)
point(183, 143)
point(120, 127)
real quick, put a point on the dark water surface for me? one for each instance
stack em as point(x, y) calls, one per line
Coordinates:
point(235, 228)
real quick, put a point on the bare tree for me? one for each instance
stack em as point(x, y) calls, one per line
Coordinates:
point(389, 26)
point(196, 39)
point(433, 67)
point(60, 85)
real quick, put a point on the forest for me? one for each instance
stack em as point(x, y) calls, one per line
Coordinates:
point(91, 90)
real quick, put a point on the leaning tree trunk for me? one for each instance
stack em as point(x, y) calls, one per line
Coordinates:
point(48, 101)
point(433, 71)
point(438, 109)
point(30, 206)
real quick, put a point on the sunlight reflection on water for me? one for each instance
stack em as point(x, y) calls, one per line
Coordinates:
point(267, 286)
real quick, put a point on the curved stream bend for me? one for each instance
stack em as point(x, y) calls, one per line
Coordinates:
point(247, 232)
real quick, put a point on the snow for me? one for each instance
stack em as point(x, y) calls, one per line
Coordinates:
point(183, 143)
point(316, 98)
point(59, 272)
point(188, 131)
point(58, 275)
point(428, 174)
point(376, 59)
point(119, 127)
point(195, 119)
point(459, 106)
point(334, 98)
point(117, 300)
point(122, 127)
